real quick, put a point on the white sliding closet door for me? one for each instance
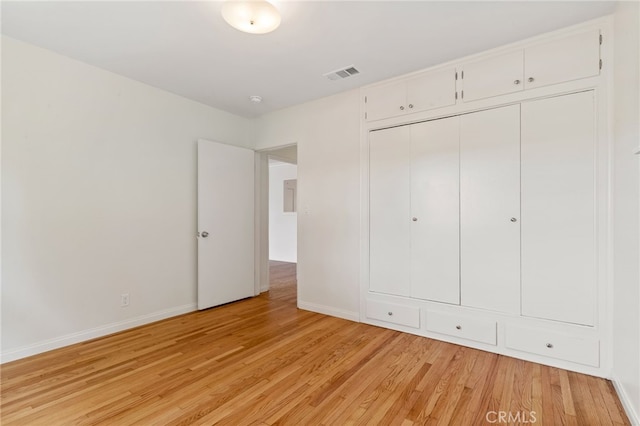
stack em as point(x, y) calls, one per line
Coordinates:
point(435, 273)
point(558, 209)
point(490, 209)
point(389, 211)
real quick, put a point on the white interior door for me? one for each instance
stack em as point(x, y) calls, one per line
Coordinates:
point(558, 209)
point(490, 209)
point(435, 255)
point(225, 223)
point(389, 211)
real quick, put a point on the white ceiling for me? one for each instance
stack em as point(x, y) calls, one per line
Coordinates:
point(186, 48)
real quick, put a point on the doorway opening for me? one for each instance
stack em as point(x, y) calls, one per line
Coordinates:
point(282, 222)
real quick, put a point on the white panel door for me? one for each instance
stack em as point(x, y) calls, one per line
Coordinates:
point(561, 60)
point(435, 268)
point(493, 76)
point(558, 209)
point(431, 90)
point(389, 211)
point(225, 223)
point(490, 209)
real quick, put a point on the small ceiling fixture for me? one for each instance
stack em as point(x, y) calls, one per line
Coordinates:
point(255, 99)
point(255, 17)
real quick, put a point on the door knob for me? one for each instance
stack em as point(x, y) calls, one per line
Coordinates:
point(516, 82)
point(204, 234)
point(530, 79)
point(415, 219)
point(401, 108)
point(513, 219)
point(410, 105)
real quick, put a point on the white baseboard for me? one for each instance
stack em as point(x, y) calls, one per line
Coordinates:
point(634, 419)
point(92, 333)
point(329, 310)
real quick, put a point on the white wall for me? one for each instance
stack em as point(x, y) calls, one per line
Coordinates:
point(328, 138)
point(99, 199)
point(282, 225)
point(626, 208)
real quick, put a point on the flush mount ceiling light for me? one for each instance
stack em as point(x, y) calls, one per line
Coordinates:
point(255, 17)
point(255, 99)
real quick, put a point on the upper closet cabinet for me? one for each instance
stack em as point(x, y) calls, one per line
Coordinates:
point(497, 75)
point(570, 58)
point(566, 59)
point(423, 92)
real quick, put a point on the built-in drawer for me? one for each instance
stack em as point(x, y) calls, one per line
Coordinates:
point(463, 326)
point(393, 313)
point(554, 344)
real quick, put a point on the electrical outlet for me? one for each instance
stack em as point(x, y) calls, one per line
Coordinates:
point(124, 299)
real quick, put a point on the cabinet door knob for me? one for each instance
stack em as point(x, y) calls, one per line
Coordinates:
point(410, 105)
point(516, 82)
point(513, 219)
point(530, 79)
point(390, 313)
point(402, 108)
point(458, 327)
point(415, 219)
point(550, 345)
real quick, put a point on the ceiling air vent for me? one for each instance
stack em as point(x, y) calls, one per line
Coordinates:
point(342, 73)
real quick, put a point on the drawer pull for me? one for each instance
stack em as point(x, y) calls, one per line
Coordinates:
point(550, 345)
point(516, 82)
point(401, 108)
point(389, 313)
point(530, 79)
point(410, 105)
point(458, 327)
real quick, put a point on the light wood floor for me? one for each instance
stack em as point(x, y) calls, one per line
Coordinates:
point(262, 361)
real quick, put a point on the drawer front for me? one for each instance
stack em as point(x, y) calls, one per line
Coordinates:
point(396, 314)
point(555, 345)
point(462, 326)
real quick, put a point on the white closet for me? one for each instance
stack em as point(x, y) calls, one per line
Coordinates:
point(445, 211)
point(486, 213)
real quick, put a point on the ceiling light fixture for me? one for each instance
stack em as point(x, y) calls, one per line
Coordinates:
point(255, 99)
point(254, 17)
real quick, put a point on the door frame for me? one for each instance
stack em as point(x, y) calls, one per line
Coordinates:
point(261, 245)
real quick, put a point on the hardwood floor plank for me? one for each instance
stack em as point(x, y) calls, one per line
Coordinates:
point(262, 361)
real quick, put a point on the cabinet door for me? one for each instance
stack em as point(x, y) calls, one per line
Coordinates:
point(490, 209)
point(431, 90)
point(493, 76)
point(389, 211)
point(386, 101)
point(562, 60)
point(435, 211)
point(558, 209)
